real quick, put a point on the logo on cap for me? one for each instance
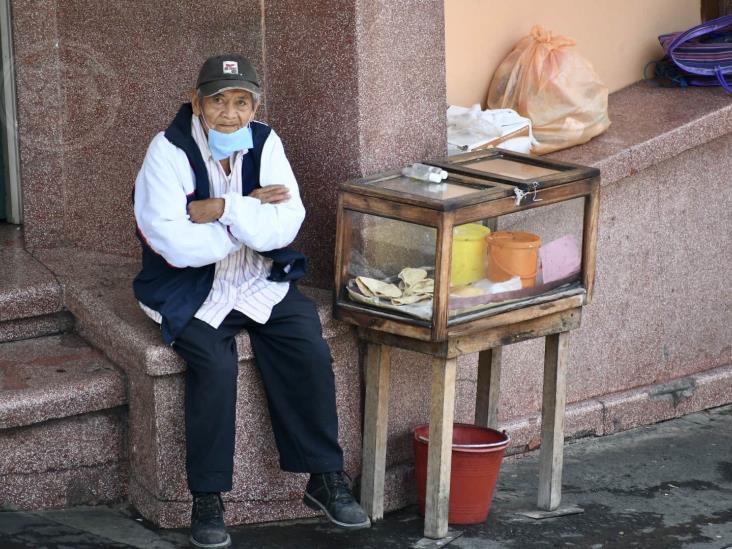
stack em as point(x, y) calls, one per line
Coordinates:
point(231, 67)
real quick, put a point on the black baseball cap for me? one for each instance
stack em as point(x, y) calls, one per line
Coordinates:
point(227, 71)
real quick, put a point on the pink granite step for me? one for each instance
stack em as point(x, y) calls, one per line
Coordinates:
point(27, 288)
point(98, 292)
point(52, 377)
point(76, 460)
point(36, 326)
point(31, 299)
point(63, 424)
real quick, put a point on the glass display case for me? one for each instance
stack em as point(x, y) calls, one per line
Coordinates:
point(505, 231)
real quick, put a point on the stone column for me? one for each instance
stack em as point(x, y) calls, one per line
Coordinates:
point(353, 87)
point(40, 112)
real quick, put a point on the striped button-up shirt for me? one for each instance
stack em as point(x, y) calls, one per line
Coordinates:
point(240, 281)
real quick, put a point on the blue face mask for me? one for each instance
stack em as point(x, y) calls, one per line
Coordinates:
point(223, 145)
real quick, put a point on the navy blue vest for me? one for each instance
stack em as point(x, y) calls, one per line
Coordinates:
point(178, 293)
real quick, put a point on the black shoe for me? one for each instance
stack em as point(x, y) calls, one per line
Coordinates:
point(331, 493)
point(207, 521)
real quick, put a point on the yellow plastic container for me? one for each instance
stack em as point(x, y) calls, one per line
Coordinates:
point(468, 253)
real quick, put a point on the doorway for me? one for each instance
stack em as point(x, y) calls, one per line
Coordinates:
point(10, 196)
point(3, 209)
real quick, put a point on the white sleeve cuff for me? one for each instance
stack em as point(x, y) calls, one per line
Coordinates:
point(230, 206)
point(227, 208)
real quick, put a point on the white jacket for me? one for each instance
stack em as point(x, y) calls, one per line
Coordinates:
point(164, 184)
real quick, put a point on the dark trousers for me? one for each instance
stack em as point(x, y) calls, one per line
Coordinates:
point(296, 368)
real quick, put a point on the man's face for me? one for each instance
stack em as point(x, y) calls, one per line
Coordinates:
point(226, 111)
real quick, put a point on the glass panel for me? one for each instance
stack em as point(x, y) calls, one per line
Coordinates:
point(435, 191)
point(533, 255)
point(391, 265)
point(510, 168)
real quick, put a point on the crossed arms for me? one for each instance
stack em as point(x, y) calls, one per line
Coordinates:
point(261, 221)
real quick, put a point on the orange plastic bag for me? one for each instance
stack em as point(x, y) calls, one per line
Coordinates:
point(546, 80)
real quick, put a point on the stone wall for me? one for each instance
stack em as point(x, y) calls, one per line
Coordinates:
point(96, 81)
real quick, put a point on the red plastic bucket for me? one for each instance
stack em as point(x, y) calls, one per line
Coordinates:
point(477, 453)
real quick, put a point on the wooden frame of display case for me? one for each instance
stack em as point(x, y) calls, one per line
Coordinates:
point(444, 216)
point(567, 172)
point(484, 333)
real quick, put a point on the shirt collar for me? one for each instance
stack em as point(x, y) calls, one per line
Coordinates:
point(199, 136)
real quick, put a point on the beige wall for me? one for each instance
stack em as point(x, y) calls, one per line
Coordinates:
point(617, 36)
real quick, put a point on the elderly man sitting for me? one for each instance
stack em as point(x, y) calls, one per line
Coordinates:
point(216, 202)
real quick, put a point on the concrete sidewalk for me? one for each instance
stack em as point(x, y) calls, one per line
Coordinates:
point(665, 486)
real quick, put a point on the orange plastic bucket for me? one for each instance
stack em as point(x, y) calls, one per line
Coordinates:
point(477, 453)
point(512, 254)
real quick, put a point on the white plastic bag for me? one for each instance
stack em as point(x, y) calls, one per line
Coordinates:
point(471, 128)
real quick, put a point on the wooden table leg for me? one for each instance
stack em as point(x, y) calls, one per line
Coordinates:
point(439, 458)
point(376, 419)
point(552, 421)
point(488, 388)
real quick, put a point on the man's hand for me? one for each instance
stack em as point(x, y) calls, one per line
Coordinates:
point(271, 194)
point(206, 211)
point(209, 210)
